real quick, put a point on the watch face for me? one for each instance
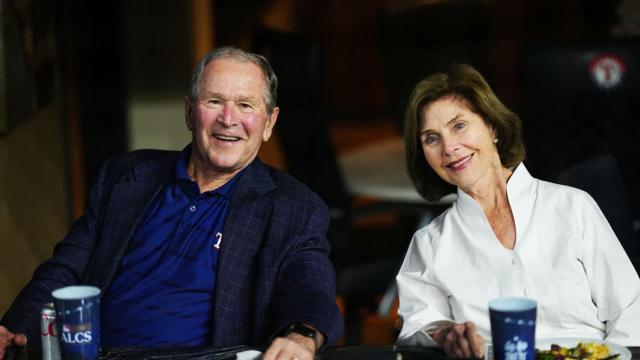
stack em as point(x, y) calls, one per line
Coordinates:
point(302, 329)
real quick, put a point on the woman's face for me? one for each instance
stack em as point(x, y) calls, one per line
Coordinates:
point(457, 143)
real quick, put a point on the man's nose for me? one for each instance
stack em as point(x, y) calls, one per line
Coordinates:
point(227, 114)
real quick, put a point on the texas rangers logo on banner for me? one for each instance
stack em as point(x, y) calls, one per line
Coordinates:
point(607, 70)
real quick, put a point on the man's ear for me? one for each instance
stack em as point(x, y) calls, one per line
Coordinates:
point(271, 122)
point(188, 113)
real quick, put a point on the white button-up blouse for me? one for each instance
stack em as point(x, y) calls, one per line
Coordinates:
point(566, 257)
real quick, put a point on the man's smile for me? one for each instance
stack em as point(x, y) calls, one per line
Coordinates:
point(226, 137)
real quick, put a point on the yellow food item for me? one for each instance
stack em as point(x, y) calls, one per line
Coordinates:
point(597, 351)
point(582, 351)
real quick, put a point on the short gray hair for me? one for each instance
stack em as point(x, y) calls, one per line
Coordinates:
point(270, 78)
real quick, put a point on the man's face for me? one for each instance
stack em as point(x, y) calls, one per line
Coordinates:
point(229, 119)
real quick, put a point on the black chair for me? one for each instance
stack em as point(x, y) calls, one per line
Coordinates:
point(302, 124)
point(303, 129)
point(362, 271)
point(636, 263)
point(600, 177)
point(579, 100)
point(418, 38)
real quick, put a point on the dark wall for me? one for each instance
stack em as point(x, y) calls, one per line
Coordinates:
point(91, 40)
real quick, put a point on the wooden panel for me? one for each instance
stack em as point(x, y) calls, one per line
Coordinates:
point(202, 28)
point(33, 199)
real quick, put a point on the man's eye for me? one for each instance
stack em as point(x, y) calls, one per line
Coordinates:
point(215, 102)
point(245, 106)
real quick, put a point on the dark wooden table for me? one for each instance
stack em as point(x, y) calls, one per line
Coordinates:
point(208, 353)
point(400, 353)
point(382, 353)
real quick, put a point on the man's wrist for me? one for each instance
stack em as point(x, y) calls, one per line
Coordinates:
point(303, 341)
point(303, 331)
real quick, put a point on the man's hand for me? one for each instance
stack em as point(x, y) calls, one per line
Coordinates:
point(294, 347)
point(459, 340)
point(7, 338)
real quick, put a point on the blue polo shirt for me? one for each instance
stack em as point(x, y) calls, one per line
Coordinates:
point(163, 291)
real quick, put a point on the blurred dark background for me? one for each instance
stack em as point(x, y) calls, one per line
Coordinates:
point(83, 81)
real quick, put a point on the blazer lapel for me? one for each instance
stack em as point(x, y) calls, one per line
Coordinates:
point(244, 230)
point(128, 202)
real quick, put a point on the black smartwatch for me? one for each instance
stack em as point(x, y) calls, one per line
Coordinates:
point(301, 329)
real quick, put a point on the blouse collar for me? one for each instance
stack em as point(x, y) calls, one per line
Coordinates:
point(518, 187)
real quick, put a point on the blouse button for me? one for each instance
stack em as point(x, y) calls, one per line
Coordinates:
point(514, 261)
point(192, 208)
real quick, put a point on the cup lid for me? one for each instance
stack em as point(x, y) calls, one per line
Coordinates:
point(75, 292)
point(509, 304)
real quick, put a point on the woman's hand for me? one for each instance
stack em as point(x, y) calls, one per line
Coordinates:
point(460, 340)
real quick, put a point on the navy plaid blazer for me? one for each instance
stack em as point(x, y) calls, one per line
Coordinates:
point(273, 266)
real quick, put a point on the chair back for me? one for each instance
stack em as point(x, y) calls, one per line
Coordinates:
point(579, 100)
point(636, 264)
point(302, 125)
point(303, 129)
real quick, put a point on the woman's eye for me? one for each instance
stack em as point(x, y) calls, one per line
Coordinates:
point(459, 125)
point(431, 139)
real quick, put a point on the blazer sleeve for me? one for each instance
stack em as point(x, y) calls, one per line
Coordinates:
point(305, 286)
point(65, 267)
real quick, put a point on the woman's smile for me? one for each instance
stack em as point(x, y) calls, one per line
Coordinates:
point(460, 164)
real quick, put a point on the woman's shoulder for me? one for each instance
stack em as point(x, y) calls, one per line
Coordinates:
point(561, 200)
point(435, 227)
point(545, 188)
point(561, 192)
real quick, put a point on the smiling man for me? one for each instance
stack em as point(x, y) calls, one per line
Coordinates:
point(207, 246)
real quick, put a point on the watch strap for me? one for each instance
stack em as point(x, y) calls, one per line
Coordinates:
point(302, 329)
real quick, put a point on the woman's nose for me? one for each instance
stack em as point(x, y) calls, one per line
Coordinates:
point(451, 145)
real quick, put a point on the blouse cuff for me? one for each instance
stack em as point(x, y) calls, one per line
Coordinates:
point(423, 337)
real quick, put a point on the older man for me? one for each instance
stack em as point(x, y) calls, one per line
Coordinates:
point(207, 246)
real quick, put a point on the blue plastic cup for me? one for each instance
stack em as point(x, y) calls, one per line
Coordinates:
point(513, 328)
point(78, 310)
